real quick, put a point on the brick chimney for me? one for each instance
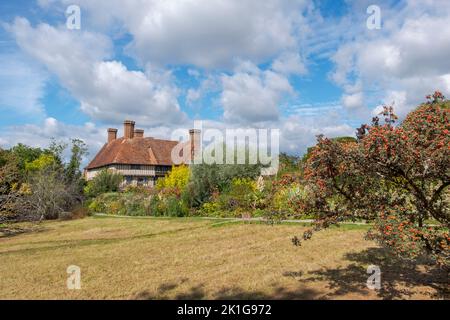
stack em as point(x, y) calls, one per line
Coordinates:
point(138, 133)
point(112, 134)
point(128, 129)
point(194, 137)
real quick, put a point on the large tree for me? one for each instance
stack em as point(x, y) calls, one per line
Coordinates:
point(396, 176)
point(37, 184)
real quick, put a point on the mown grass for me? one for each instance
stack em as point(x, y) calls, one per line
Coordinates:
point(176, 258)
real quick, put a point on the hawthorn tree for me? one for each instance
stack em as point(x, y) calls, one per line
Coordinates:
point(396, 176)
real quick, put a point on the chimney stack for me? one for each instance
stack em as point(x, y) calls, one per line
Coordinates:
point(112, 134)
point(194, 137)
point(138, 133)
point(128, 129)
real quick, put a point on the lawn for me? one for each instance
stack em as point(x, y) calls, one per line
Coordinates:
point(151, 258)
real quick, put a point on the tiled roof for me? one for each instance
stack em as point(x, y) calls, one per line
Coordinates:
point(144, 151)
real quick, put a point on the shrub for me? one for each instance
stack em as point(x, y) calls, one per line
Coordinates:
point(155, 206)
point(105, 181)
point(174, 207)
point(207, 179)
point(97, 206)
point(178, 177)
point(210, 208)
point(168, 206)
point(131, 204)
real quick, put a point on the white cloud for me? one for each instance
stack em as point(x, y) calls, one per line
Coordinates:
point(299, 133)
point(289, 63)
point(209, 84)
point(107, 90)
point(404, 61)
point(204, 33)
point(40, 135)
point(22, 86)
point(353, 101)
point(401, 63)
point(253, 95)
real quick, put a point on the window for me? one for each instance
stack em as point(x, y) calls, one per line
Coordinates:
point(163, 169)
point(135, 167)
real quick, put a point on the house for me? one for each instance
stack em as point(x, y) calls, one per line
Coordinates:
point(141, 160)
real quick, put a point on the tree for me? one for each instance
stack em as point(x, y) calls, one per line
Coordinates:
point(288, 163)
point(307, 155)
point(44, 161)
point(9, 171)
point(396, 176)
point(25, 154)
point(209, 178)
point(73, 174)
point(49, 194)
point(37, 183)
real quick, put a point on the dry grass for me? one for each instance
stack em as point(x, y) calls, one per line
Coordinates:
point(188, 258)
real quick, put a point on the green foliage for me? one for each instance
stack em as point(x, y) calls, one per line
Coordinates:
point(25, 154)
point(207, 179)
point(288, 163)
point(114, 203)
point(36, 183)
point(287, 199)
point(9, 171)
point(169, 202)
point(78, 151)
point(105, 181)
point(138, 204)
point(44, 161)
point(241, 198)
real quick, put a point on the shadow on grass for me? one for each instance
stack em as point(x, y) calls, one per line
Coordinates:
point(59, 244)
point(399, 278)
point(9, 231)
point(198, 292)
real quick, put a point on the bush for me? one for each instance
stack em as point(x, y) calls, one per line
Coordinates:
point(207, 179)
point(131, 204)
point(105, 181)
point(178, 177)
point(168, 206)
point(139, 204)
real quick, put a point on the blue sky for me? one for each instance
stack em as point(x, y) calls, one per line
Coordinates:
point(305, 67)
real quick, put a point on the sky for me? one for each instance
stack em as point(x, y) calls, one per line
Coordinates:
point(303, 67)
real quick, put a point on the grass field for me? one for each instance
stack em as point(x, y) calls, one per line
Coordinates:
point(136, 258)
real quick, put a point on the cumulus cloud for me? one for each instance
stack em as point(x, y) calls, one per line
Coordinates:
point(40, 135)
point(95, 136)
point(353, 101)
point(289, 63)
point(205, 33)
point(253, 95)
point(298, 133)
point(106, 89)
point(401, 63)
point(245, 52)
